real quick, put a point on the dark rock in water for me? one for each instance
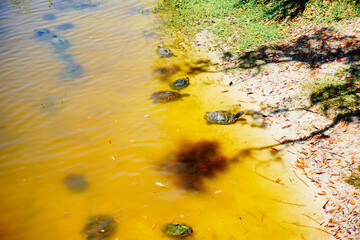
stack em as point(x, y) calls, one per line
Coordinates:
point(164, 52)
point(49, 17)
point(76, 182)
point(177, 230)
point(180, 84)
point(65, 57)
point(100, 227)
point(65, 26)
point(222, 117)
point(165, 96)
point(72, 70)
point(60, 43)
point(43, 34)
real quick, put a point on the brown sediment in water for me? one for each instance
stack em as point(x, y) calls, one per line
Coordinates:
point(195, 161)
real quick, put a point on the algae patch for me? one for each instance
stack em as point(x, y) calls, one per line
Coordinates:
point(354, 180)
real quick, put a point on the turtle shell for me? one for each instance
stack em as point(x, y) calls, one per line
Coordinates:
point(222, 117)
point(60, 43)
point(65, 26)
point(99, 227)
point(49, 17)
point(165, 96)
point(177, 229)
point(180, 84)
point(43, 34)
point(72, 70)
point(75, 182)
point(164, 52)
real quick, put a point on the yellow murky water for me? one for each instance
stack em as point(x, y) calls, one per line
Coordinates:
point(104, 126)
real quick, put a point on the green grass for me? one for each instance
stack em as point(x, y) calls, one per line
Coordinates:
point(239, 26)
point(244, 24)
point(337, 95)
point(331, 11)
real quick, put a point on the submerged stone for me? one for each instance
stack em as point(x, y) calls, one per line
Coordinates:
point(100, 227)
point(49, 17)
point(65, 26)
point(222, 117)
point(60, 43)
point(76, 182)
point(180, 84)
point(177, 229)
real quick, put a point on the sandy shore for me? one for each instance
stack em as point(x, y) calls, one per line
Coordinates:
point(321, 152)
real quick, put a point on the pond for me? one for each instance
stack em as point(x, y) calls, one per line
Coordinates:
point(81, 137)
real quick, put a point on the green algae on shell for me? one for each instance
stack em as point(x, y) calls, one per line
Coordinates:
point(180, 84)
point(100, 227)
point(60, 43)
point(177, 230)
point(222, 117)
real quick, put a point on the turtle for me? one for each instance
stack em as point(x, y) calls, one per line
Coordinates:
point(164, 52)
point(43, 34)
point(76, 182)
point(222, 117)
point(180, 84)
point(149, 34)
point(65, 26)
point(49, 17)
point(99, 227)
point(166, 96)
point(65, 57)
point(72, 4)
point(60, 43)
point(177, 229)
point(72, 70)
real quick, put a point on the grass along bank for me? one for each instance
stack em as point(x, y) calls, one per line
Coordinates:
point(244, 24)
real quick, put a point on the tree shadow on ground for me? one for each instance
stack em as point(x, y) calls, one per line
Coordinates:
point(339, 99)
point(315, 49)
